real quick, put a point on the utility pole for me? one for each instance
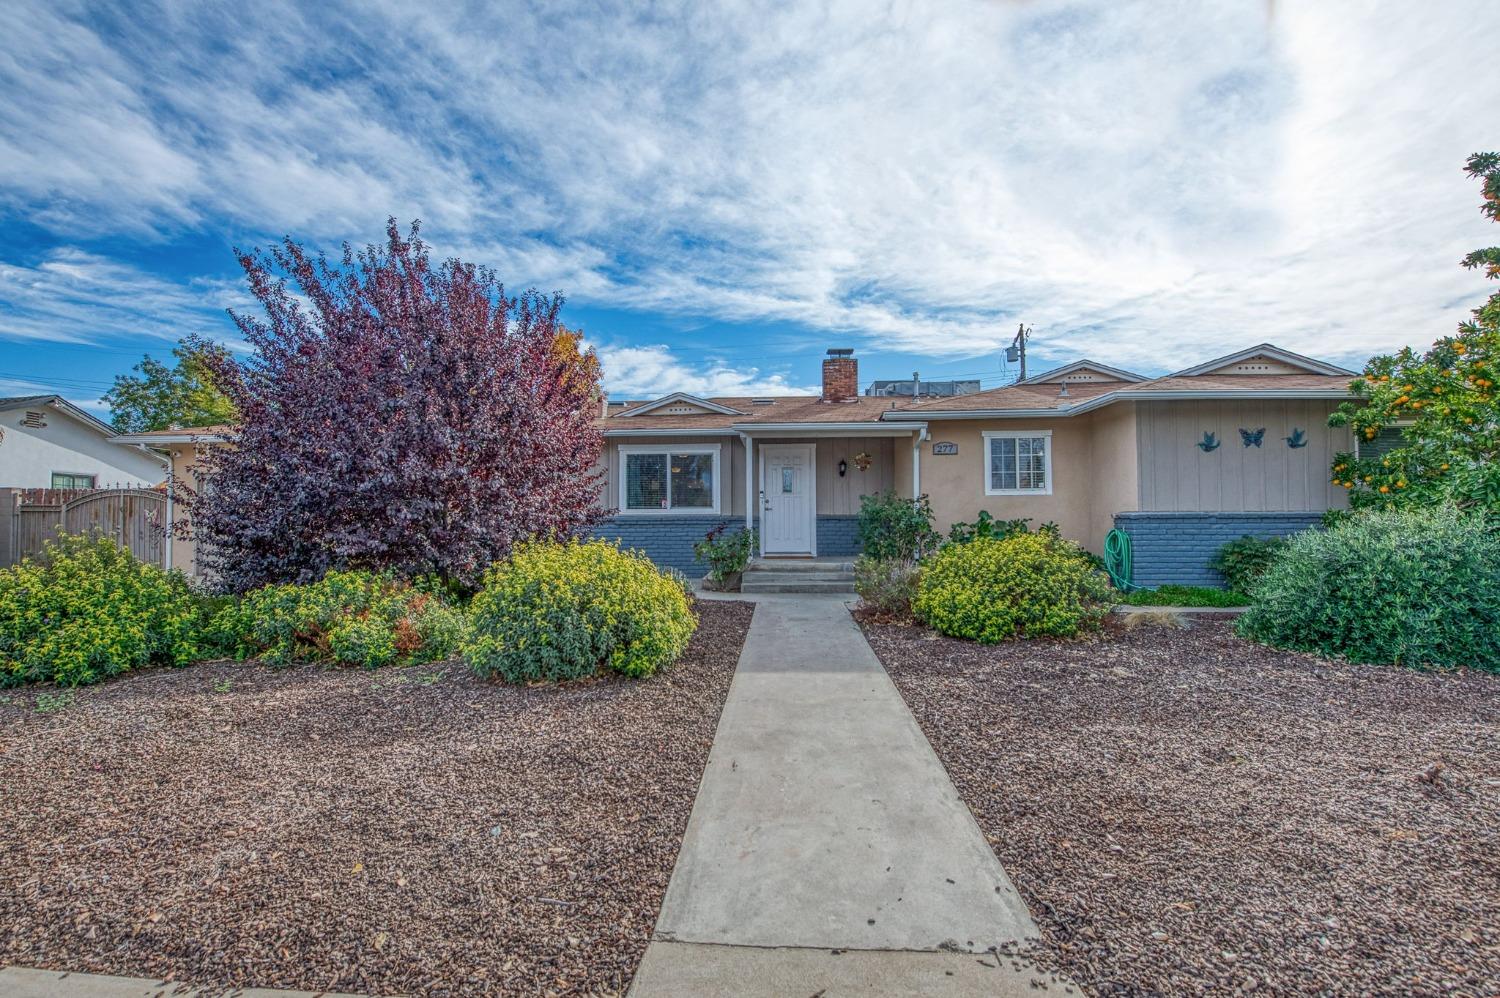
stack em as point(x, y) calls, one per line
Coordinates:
point(1017, 349)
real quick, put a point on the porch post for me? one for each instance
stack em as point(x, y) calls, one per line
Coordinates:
point(916, 463)
point(749, 481)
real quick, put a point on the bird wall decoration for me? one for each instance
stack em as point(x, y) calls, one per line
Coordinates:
point(1297, 439)
point(1208, 443)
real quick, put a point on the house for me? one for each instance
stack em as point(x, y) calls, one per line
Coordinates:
point(915, 387)
point(183, 448)
point(1183, 463)
point(47, 442)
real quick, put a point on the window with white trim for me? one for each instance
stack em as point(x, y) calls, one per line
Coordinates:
point(669, 479)
point(1018, 463)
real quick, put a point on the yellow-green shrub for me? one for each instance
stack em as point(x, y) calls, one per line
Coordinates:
point(353, 618)
point(563, 611)
point(1026, 585)
point(86, 609)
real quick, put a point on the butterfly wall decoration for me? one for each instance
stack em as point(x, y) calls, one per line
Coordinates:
point(1297, 439)
point(1253, 438)
point(1208, 443)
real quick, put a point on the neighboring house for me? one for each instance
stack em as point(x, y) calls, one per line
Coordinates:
point(182, 447)
point(47, 442)
point(1238, 445)
point(915, 387)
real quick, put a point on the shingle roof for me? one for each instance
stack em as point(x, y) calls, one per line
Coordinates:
point(1040, 397)
point(15, 400)
point(782, 409)
point(1243, 383)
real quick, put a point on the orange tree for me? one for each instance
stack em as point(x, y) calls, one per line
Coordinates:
point(1444, 401)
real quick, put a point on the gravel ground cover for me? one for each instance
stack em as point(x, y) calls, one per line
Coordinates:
point(393, 831)
point(1190, 813)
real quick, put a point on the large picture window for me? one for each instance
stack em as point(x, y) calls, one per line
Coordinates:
point(1018, 463)
point(669, 479)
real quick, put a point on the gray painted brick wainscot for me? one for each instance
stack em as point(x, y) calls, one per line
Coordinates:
point(1177, 547)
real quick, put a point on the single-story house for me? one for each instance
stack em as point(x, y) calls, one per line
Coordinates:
point(47, 442)
point(1183, 463)
point(1237, 445)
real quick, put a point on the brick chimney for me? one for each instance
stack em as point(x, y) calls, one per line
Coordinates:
point(840, 376)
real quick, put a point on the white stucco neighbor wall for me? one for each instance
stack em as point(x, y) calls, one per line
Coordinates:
point(29, 455)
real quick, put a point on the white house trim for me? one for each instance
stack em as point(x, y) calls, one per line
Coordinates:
point(1307, 364)
point(870, 429)
point(1119, 374)
point(669, 450)
point(676, 398)
point(990, 435)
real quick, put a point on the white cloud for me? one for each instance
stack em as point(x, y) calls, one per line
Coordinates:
point(647, 372)
point(78, 297)
point(1146, 183)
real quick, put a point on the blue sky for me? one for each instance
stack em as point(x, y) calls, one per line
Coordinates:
point(724, 191)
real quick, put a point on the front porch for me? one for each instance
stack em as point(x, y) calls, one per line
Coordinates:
point(803, 485)
point(798, 487)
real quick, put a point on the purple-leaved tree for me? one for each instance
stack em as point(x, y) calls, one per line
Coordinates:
point(394, 416)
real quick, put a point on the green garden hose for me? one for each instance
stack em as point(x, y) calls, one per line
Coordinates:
point(1117, 561)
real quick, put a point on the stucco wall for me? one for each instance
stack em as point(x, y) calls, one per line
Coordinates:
point(1179, 476)
point(956, 483)
point(1115, 467)
point(29, 455)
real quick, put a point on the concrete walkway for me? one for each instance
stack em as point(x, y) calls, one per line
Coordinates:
point(827, 849)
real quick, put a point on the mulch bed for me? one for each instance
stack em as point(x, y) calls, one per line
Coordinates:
point(1187, 812)
point(404, 831)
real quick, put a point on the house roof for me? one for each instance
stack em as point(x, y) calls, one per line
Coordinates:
point(1263, 355)
point(183, 435)
point(1040, 398)
point(1026, 398)
point(1058, 373)
point(750, 411)
point(57, 401)
point(678, 398)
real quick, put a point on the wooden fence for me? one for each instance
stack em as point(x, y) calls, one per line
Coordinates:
point(135, 519)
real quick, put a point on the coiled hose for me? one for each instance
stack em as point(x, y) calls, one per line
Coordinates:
point(1117, 561)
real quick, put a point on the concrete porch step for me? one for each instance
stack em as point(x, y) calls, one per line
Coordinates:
point(793, 583)
point(800, 565)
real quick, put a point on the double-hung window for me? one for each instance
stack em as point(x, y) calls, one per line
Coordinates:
point(1018, 463)
point(669, 479)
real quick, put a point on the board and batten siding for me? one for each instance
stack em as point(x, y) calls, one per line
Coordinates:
point(1178, 476)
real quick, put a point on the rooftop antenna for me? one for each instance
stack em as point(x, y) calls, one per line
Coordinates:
point(1017, 349)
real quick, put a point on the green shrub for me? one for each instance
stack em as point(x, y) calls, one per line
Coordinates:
point(352, 618)
point(86, 609)
point(893, 527)
point(1417, 587)
point(725, 551)
point(1171, 595)
point(1243, 561)
point(1027, 585)
point(887, 586)
point(564, 611)
point(985, 525)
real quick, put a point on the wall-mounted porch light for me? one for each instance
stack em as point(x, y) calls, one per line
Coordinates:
point(843, 467)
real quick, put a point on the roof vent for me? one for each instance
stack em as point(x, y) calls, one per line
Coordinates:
point(762, 401)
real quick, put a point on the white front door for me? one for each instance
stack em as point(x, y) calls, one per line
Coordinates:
point(788, 501)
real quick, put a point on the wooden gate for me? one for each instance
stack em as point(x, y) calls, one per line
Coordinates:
point(135, 519)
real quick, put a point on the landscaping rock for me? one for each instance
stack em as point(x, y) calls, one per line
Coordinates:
point(396, 831)
point(1186, 812)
